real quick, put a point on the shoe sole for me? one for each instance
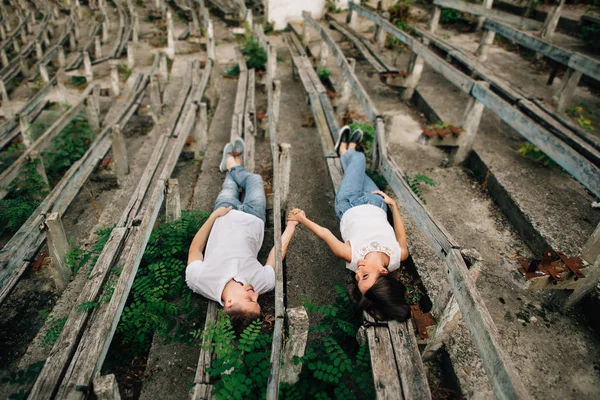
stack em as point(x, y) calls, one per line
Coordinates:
point(339, 140)
point(360, 137)
point(243, 144)
point(223, 166)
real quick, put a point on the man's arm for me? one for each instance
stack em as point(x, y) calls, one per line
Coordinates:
point(199, 242)
point(286, 237)
point(398, 224)
point(340, 249)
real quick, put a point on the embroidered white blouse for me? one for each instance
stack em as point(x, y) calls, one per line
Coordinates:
point(367, 229)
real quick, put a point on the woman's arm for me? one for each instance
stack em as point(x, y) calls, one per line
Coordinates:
point(286, 237)
point(199, 241)
point(340, 249)
point(398, 224)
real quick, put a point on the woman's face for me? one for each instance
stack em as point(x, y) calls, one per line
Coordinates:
point(367, 273)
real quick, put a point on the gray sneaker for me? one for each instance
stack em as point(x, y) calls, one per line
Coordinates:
point(228, 149)
point(238, 148)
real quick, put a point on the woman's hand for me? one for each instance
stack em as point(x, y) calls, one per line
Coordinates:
point(221, 211)
point(386, 199)
point(295, 216)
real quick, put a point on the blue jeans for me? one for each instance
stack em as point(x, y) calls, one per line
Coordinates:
point(356, 187)
point(255, 202)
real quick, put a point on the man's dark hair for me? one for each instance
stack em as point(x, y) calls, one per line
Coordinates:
point(385, 300)
point(241, 319)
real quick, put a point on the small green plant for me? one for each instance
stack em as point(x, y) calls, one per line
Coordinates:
point(67, 147)
point(269, 27)
point(402, 25)
point(160, 301)
point(531, 152)
point(332, 7)
point(414, 182)
point(449, 16)
point(55, 327)
point(378, 179)
point(78, 81)
point(255, 54)
point(24, 377)
point(246, 359)
point(124, 72)
point(38, 84)
point(585, 123)
point(578, 112)
point(76, 258)
point(233, 71)
point(323, 73)
point(9, 156)
point(334, 366)
point(25, 193)
point(87, 306)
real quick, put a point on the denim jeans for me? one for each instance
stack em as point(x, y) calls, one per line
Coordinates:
point(356, 186)
point(255, 202)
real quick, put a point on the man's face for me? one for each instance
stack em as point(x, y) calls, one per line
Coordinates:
point(245, 299)
point(367, 273)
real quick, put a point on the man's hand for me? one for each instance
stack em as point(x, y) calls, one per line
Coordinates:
point(386, 199)
point(296, 216)
point(221, 211)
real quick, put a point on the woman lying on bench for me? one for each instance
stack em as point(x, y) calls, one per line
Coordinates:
point(371, 247)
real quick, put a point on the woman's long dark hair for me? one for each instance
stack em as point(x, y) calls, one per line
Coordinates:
point(385, 300)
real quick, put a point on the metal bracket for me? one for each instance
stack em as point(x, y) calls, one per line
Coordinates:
point(421, 320)
point(552, 263)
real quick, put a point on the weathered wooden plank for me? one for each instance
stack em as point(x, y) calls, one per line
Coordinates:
point(476, 9)
point(297, 327)
point(250, 123)
point(41, 143)
point(383, 364)
point(580, 168)
point(276, 351)
point(205, 354)
point(408, 358)
point(576, 61)
point(347, 72)
point(57, 361)
point(21, 246)
point(552, 125)
point(94, 344)
point(501, 372)
point(437, 236)
point(588, 137)
point(165, 127)
point(359, 46)
point(335, 172)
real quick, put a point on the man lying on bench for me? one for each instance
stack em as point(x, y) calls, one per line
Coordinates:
point(371, 247)
point(228, 271)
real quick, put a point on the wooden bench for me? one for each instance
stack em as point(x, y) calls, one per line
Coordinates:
point(397, 366)
point(501, 372)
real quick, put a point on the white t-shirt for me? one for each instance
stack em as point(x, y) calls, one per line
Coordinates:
point(367, 229)
point(233, 245)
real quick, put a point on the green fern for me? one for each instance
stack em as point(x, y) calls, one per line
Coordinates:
point(55, 327)
point(415, 184)
point(334, 366)
point(160, 301)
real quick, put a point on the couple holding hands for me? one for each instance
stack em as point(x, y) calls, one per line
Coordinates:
point(222, 260)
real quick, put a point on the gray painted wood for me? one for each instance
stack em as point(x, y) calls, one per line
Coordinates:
point(576, 61)
point(95, 342)
point(580, 168)
point(482, 11)
point(57, 360)
point(22, 246)
point(408, 358)
point(503, 376)
point(41, 143)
